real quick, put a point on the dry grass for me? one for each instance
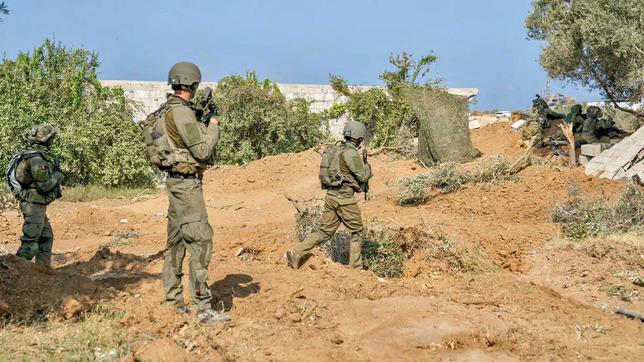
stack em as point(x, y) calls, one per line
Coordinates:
point(582, 218)
point(93, 193)
point(95, 336)
point(446, 178)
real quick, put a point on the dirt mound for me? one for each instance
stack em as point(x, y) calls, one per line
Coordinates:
point(481, 281)
point(32, 292)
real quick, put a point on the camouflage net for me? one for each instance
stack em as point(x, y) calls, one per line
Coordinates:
point(443, 131)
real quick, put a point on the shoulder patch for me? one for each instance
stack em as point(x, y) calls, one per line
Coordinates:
point(192, 134)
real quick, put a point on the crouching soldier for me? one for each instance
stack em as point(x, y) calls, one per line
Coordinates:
point(35, 178)
point(541, 118)
point(342, 172)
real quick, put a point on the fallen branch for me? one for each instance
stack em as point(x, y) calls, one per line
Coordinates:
point(380, 150)
point(297, 202)
point(516, 166)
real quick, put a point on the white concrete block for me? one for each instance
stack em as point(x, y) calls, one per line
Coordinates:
point(519, 124)
point(583, 159)
point(591, 149)
point(475, 124)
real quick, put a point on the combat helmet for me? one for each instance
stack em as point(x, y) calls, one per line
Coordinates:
point(354, 130)
point(184, 74)
point(42, 134)
point(594, 112)
point(539, 102)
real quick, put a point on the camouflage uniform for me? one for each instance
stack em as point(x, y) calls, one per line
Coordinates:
point(41, 180)
point(188, 226)
point(340, 207)
point(541, 118)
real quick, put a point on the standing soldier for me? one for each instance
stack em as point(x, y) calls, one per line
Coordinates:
point(184, 148)
point(35, 178)
point(342, 172)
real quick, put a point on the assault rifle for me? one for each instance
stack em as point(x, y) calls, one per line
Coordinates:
point(204, 106)
point(364, 187)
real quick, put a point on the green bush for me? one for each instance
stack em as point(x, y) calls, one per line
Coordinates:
point(257, 120)
point(383, 254)
point(98, 140)
point(385, 110)
point(581, 218)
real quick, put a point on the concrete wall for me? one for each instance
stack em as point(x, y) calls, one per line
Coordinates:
point(149, 95)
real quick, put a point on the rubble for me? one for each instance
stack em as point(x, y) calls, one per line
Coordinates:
point(625, 160)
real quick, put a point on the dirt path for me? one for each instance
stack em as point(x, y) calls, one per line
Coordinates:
point(536, 301)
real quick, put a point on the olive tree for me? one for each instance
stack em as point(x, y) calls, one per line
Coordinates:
point(594, 43)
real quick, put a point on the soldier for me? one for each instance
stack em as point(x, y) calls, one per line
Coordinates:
point(192, 150)
point(340, 206)
point(574, 117)
point(36, 180)
point(588, 132)
point(541, 118)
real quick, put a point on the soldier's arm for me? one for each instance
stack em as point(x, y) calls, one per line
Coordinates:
point(200, 140)
point(357, 167)
point(43, 178)
point(554, 115)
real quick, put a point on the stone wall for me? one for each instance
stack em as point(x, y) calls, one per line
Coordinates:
point(149, 95)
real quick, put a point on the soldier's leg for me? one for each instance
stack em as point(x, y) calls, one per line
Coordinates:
point(45, 243)
point(328, 226)
point(32, 227)
point(352, 219)
point(198, 237)
point(173, 255)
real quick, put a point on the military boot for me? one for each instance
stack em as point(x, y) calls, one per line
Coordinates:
point(293, 259)
point(183, 309)
point(208, 316)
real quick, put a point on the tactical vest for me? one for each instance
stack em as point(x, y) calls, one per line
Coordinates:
point(24, 191)
point(12, 179)
point(161, 150)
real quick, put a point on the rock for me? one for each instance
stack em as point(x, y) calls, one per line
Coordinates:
point(475, 124)
point(583, 159)
point(71, 307)
point(123, 221)
point(337, 340)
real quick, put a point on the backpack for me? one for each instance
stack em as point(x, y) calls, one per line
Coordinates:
point(330, 175)
point(12, 181)
point(157, 144)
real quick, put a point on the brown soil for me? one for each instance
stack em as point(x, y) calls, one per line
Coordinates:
point(526, 300)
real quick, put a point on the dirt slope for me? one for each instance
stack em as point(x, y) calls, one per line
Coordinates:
point(523, 308)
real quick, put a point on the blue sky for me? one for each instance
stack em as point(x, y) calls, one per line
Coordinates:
point(479, 43)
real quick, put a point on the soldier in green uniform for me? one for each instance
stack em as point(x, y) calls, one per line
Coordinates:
point(588, 132)
point(39, 181)
point(192, 150)
point(340, 206)
point(541, 118)
point(574, 117)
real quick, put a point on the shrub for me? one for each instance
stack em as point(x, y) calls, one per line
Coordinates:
point(257, 120)
point(581, 218)
point(383, 254)
point(98, 141)
point(385, 110)
point(446, 178)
